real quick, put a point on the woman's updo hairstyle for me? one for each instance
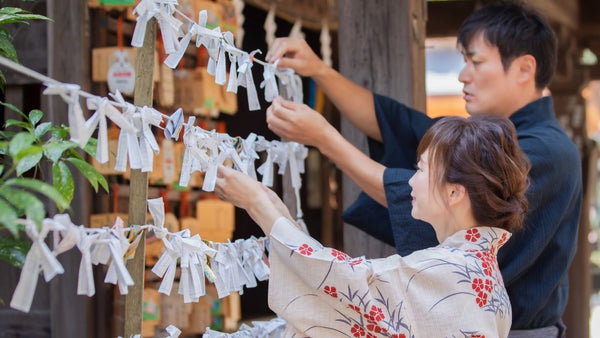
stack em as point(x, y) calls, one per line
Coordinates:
point(482, 154)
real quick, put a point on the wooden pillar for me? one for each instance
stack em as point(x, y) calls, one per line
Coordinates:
point(569, 105)
point(138, 192)
point(381, 47)
point(570, 111)
point(68, 61)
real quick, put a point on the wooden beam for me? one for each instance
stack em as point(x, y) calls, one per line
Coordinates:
point(589, 11)
point(445, 17)
point(388, 59)
point(311, 12)
point(558, 11)
point(68, 62)
point(138, 192)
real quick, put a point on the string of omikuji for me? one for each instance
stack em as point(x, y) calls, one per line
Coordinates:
point(218, 44)
point(137, 144)
point(204, 150)
point(230, 266)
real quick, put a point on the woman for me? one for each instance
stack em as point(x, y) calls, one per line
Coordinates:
point(470, 186)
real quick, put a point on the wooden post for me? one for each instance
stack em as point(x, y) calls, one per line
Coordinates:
point(67, 62)
point(570, 111)
point(138, 192)
point(381, 47)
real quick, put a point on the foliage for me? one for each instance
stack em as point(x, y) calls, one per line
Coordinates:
point(12, 15)
point(22, 153)
point(22, 150)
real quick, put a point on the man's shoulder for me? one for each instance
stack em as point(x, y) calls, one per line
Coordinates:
point(387, 104)
point(547, 138)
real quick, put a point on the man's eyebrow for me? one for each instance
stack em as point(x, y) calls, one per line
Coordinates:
point(468, 53)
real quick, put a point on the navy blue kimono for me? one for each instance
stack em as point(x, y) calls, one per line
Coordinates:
point(535, 261)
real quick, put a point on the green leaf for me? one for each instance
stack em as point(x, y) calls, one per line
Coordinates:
point(20, 142)
point(91, 146)
point(28, 158)
point(2, 82)
point(35, 116)
point(63, 180)
point(42, 129)
point(17, 123)
point(55, 149)
point(43, 188)
point(23, 200)
point(18, 15)
point(73, 153)
point(14, 250)
point(15, 109)
point(1, 168)
point(60, 132)
point(8, 217)
point(92, 175)
point(7, 49)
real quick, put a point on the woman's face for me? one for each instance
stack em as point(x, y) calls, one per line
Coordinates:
point(427, 203)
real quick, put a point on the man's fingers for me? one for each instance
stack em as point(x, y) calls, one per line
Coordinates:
point(277, 50)
point(288, 104)
point(281, 111)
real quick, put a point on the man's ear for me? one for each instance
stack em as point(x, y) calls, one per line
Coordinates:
point(526, 66)
point(455, 193)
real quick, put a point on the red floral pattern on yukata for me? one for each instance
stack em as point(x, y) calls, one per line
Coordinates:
point(330, 290)
point(305, 250)
point(472, 235)
point(484, 273)
point(373, 314)
point(372, 320)
point(341, 256)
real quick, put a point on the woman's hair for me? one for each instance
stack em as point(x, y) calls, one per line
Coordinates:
point(482, 154)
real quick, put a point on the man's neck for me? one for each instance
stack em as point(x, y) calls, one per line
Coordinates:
point(522, 102)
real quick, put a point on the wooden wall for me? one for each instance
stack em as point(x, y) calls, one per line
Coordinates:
point(381, 47)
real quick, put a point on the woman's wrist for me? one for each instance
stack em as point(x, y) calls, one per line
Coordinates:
point(263, 212)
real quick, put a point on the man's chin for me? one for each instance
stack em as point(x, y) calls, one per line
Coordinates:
point(472, 109)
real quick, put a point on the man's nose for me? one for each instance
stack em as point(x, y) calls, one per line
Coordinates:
point(464, 75)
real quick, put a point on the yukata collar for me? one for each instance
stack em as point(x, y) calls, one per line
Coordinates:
point(537, 111)
point(478, 238)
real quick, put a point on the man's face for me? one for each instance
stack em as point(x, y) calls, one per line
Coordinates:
point(488, 88)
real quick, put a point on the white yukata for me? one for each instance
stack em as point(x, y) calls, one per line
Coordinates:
point(452, 290)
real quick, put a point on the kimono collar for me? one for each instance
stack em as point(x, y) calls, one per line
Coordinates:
point(478, 238)
point(535, 112)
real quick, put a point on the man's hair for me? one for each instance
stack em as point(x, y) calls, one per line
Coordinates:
point(516, 30)
point(482, 154)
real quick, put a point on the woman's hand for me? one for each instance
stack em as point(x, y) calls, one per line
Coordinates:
point(246, 193)
point(238, 188)
point(278, 203)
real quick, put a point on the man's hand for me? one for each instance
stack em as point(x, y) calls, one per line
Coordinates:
point(297, 122)
point(295, 54)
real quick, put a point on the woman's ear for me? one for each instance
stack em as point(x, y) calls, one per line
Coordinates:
point(455, 193)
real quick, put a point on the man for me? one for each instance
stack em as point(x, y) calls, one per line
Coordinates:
point(510, 56)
